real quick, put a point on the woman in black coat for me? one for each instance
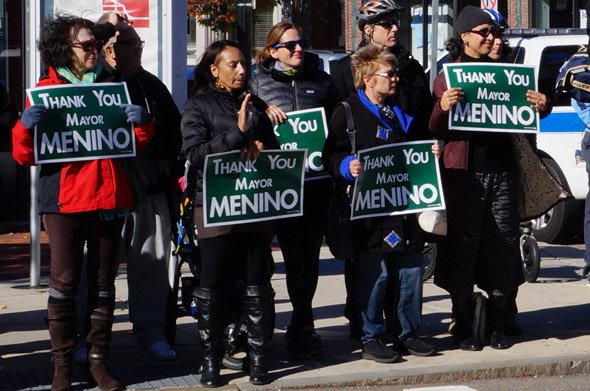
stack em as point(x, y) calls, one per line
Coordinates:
point(222, 117)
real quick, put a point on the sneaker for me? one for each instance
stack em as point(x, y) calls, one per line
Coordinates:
point(376, 350)
point(419, 348)
point(308, 344)
point(160, 351)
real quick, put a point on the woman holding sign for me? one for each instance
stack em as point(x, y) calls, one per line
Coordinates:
point(288, 80)
point(81, 202)
point(223, 117)
point(384, 247)
point(481, 192)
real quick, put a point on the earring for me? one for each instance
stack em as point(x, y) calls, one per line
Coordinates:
point(218, 84)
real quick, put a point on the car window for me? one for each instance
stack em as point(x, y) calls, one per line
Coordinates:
point(552, 58)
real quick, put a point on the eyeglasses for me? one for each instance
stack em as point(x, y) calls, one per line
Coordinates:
point(388, 75)
point(388, 24)
point(136, 44)
point(484, 32)
point(88, 46)
point(291, 45)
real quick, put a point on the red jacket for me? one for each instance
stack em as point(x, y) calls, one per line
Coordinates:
point(80, 186)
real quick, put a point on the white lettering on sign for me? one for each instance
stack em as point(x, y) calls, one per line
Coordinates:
point(475, 77)
point(222, 167)
point(303, 126)
point(62, 102)
point(243, 184)
point(241, 204)
point(107, 99)
point(378, 162)
point(499, 114)
point(484, 94)
point(396, 196)
point(517, 79)
point(89, 140)
point(415, 157)
point(72, 119)
point(278, 162)
point(392, 178)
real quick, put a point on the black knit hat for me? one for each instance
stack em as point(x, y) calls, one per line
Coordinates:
point(469, 17)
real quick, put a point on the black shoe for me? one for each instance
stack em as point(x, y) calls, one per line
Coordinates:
point(419, 348)
point(210, 369)
point(377, 351)
point(291, 338)
point(308, 344)
point(498, 340)
point(586, 270)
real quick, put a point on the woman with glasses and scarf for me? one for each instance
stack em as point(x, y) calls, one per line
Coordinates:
point(480, 180)
point(81, 202)
point(289, 79)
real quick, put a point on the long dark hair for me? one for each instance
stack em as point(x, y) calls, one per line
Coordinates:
point(56, 39)
point(203, 76)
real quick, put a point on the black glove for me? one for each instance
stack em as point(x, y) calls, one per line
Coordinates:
point(136, 114)
point(33, 115)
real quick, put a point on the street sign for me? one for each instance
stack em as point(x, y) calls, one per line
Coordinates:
point(489, 4)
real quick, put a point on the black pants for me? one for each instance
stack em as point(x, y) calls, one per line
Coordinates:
point(67, 235)
point(236, 257)
point(300, 240)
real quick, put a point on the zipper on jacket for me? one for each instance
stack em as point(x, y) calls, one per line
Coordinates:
point(295, 100)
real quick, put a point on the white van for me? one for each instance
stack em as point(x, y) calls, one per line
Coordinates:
point(561, 131)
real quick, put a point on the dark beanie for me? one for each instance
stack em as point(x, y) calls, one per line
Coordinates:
point(469, 17)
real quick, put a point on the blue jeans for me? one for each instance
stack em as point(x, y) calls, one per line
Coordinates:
point(373, 272)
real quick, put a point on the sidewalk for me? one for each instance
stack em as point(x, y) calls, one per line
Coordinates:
point(554, 314)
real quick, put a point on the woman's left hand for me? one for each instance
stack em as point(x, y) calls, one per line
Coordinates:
point(537, 100)
point(252, 151)
point(276, 115)
point(245, 115)
point(437, 150)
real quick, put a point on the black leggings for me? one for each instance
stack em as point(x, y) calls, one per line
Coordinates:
point(247, 255)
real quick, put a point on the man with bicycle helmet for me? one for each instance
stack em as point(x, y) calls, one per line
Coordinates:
point(379, 22)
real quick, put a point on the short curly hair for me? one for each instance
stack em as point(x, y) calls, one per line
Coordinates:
point(366, 60)
point(56, 39)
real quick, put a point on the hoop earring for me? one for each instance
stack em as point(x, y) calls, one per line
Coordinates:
point(218, 84)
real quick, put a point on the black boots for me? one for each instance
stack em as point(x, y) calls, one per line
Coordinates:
point(496, 324)
point(63, 332)
point(463, 331)
point(210, 322)
point(98, 342)
point(258, 302)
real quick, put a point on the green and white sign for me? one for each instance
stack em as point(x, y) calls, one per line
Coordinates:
point(306, 129)
point(83, 122)
point(238, 191)
point(397, 179)
point(495, 97)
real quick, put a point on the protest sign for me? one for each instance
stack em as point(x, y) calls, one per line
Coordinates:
point(397, 179)
point(83, 122)
point(306, 129)
point(238, 191)
point(494, 97)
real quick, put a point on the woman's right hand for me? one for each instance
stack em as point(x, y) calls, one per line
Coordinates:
point(32, 115)
point(355, 167)
point(450, 98)
point(276, 115)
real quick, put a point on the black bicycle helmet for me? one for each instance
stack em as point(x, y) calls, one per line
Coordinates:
point(373, 10)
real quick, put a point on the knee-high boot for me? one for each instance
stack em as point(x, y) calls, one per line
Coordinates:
point(464, 328)
point(258, 303)
point(63, 332)
point(210, 322)
point(98, 341)
point(497, 337)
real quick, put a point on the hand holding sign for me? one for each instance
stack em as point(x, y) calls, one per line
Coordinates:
point(537, 99)
point(450, 98)
point(276, 115)
point(33, 115)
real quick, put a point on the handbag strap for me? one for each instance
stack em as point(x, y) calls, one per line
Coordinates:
point(350, 129)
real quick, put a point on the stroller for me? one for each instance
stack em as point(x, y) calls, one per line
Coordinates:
point(187, 251)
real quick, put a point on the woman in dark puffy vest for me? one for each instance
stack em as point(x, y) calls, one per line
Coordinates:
point(289, 79)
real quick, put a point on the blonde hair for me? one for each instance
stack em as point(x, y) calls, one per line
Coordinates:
point(366, 60)
point(274, 37)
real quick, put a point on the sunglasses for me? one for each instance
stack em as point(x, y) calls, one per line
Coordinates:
point(388, 75)
point(484, 32)
point(388, 24)
point(291, 45)
point(88, 46)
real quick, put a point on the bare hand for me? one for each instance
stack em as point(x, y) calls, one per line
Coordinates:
point(537, 100)
point(276, 115)
point(437, 150)
point(252, 151)
point(245, 115)
point(356, 168)
point(450, 98)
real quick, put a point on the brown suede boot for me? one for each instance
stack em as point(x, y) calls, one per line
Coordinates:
point(99, 340)
point(61, 320)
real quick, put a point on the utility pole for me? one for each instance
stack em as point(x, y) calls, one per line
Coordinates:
point(245, 29)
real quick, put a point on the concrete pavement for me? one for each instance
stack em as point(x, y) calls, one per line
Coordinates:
point(554, 314)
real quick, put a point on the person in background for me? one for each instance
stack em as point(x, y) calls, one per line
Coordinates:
point(147, 231)
point(289, 79)
point(379, 22)
point(215, 120)
point(78, 206)
point(8, 117)
point(378, 121)
point(481, 194)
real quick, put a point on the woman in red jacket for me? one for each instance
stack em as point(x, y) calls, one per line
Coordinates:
point(80, 202)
